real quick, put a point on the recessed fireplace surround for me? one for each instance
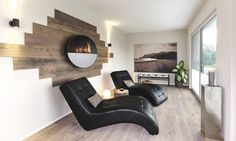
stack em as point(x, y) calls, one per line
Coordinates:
point(81, 51)
point(45, 49)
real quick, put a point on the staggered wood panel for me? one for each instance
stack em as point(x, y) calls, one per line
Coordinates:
point(45, 49)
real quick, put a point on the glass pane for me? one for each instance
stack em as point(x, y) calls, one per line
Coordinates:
point(196, 63)
point(208, 54)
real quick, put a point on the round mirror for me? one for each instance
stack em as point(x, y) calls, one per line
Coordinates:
point(81, 51)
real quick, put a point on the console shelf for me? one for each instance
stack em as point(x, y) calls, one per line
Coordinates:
point(165, 77)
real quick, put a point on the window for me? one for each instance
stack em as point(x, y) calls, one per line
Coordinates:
point(203, 54)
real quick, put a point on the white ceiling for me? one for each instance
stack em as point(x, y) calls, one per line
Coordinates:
point(146, 15)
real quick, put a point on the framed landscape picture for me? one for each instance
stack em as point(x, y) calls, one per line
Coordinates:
point(155, 57)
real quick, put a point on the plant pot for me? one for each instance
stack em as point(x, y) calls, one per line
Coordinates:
point(178, 84)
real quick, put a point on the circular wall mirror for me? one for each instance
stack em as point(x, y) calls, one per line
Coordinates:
point(81, 51)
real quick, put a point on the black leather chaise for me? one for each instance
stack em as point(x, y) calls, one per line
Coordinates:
point(124, 109)
point(152, 92)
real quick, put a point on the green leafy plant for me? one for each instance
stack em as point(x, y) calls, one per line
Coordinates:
point(181, 73)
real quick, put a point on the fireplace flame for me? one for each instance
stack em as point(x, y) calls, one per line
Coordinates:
point(84, 49)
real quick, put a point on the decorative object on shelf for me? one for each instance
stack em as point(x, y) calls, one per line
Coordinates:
point(211, 112)
point(15, 23)
point(181, 74)
point(81, 51)
point(211, 78)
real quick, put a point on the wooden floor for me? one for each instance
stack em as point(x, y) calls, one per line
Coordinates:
point(178, 119)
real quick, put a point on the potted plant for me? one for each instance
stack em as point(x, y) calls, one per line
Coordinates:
point(181, 74)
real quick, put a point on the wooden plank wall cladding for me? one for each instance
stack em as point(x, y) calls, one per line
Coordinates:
point(45, 49)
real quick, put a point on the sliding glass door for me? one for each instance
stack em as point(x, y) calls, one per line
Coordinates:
point(196, 63)
point(203, 54)
point(208, 50)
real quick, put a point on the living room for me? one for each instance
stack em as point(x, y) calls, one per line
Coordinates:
point(31, 100)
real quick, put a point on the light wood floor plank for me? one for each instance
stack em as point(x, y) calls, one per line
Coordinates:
point(178, 119)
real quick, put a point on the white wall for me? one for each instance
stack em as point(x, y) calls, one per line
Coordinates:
point(225, 40)
point(28, 104)
point(179, 36)
point(119, 61)
point(225, 57)
point(233, 74)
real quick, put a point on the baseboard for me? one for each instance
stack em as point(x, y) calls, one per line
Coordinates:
point(195, 94)
point(34, 132)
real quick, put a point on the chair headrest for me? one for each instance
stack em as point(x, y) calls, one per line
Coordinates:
point(118, 78)
point(81, 88)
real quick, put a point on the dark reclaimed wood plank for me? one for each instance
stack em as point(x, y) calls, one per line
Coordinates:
point(103, 59)
point(102, 55)
point(23, 51)
point(51, 37)
point(44, 37)
point(50, 71)
point(58, 80)
point(8, 46)
point(29, 63)
point(68, 27)
point(45, 42)
point(15, 51)
point(102, 48)
point(70, 19)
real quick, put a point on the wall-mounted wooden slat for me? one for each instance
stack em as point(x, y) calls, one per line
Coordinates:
point(103, 59)
point(60, 79)
point(7, 46)
point(49, 38)
point(45, 49)
point(68, 27)
point(60, 69)
point(24, 52)
point(70, 19)
point(44, 35)
point(29, 63)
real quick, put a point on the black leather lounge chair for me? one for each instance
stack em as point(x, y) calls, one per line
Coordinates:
point(152, 92)
point(124, 109)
